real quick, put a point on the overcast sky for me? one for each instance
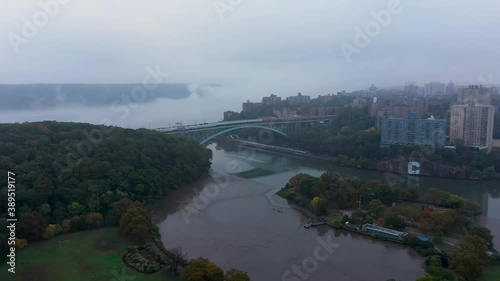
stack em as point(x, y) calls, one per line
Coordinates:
point(260, 47)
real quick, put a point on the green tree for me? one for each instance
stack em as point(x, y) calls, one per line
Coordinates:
point(236, 275)
point(413, 192)
point(471, 257)
point(426, 277)
point(490, 173)
point(438, 236)
point(31, 226)
point(76, 209)
point(482, 232)
point(455, 201)
point(376, 207)
point(385, 194)
point(45, 209)
point(394, 221)
point(436, 196)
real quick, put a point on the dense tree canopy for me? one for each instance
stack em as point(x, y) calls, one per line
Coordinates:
point(352, 140)
point(236, 275)
point(471, 257)
point(81, 176)
point(202, 269)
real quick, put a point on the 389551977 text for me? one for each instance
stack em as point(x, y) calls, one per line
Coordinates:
point(11, 221)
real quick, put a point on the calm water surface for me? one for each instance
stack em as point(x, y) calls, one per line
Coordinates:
point(240, 223)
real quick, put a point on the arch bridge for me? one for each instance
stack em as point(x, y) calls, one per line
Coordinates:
point(203, 133)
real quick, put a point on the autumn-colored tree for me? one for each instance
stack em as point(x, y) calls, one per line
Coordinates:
point(135, 223)
point(117, 210)
point(21, 243)
point(296, 180)
point(319, 205)
point(201, 269)
point(236, 275)
point(436, 196)
point(52, 230)
point(66, 225)
point(424, 226)
point(94, 220)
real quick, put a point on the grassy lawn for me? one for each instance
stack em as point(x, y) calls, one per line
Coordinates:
point(87, 255)
point(449, 249)
point(333, 216)
point(491, 273)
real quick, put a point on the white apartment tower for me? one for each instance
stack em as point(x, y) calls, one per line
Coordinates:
point(472, 118)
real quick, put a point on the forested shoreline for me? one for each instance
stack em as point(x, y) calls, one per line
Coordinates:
point(74, 176)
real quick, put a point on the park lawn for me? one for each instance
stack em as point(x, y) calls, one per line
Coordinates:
point(491, 273)
point(449, 249)
point(333, 216)
point(80, 256)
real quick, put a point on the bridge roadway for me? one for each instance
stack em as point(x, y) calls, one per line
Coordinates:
point(207, 131)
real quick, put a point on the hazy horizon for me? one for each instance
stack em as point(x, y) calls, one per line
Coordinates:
point(255, 48)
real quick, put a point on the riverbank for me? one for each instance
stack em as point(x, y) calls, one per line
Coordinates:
point(380, 218)
point(246, 226)
point(280, 149)
point(397, 166)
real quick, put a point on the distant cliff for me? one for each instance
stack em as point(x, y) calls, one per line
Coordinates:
point(36, 96)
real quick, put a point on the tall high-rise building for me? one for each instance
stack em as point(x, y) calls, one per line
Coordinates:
point(413, 131)
point(472, 125)
point(472, 118)
point(434, 88)
point(477, 94)
point(450, 88)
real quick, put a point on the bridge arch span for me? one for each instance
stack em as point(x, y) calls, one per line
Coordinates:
point(238, 128)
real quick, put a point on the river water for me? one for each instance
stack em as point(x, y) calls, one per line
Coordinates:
point(238, 222)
